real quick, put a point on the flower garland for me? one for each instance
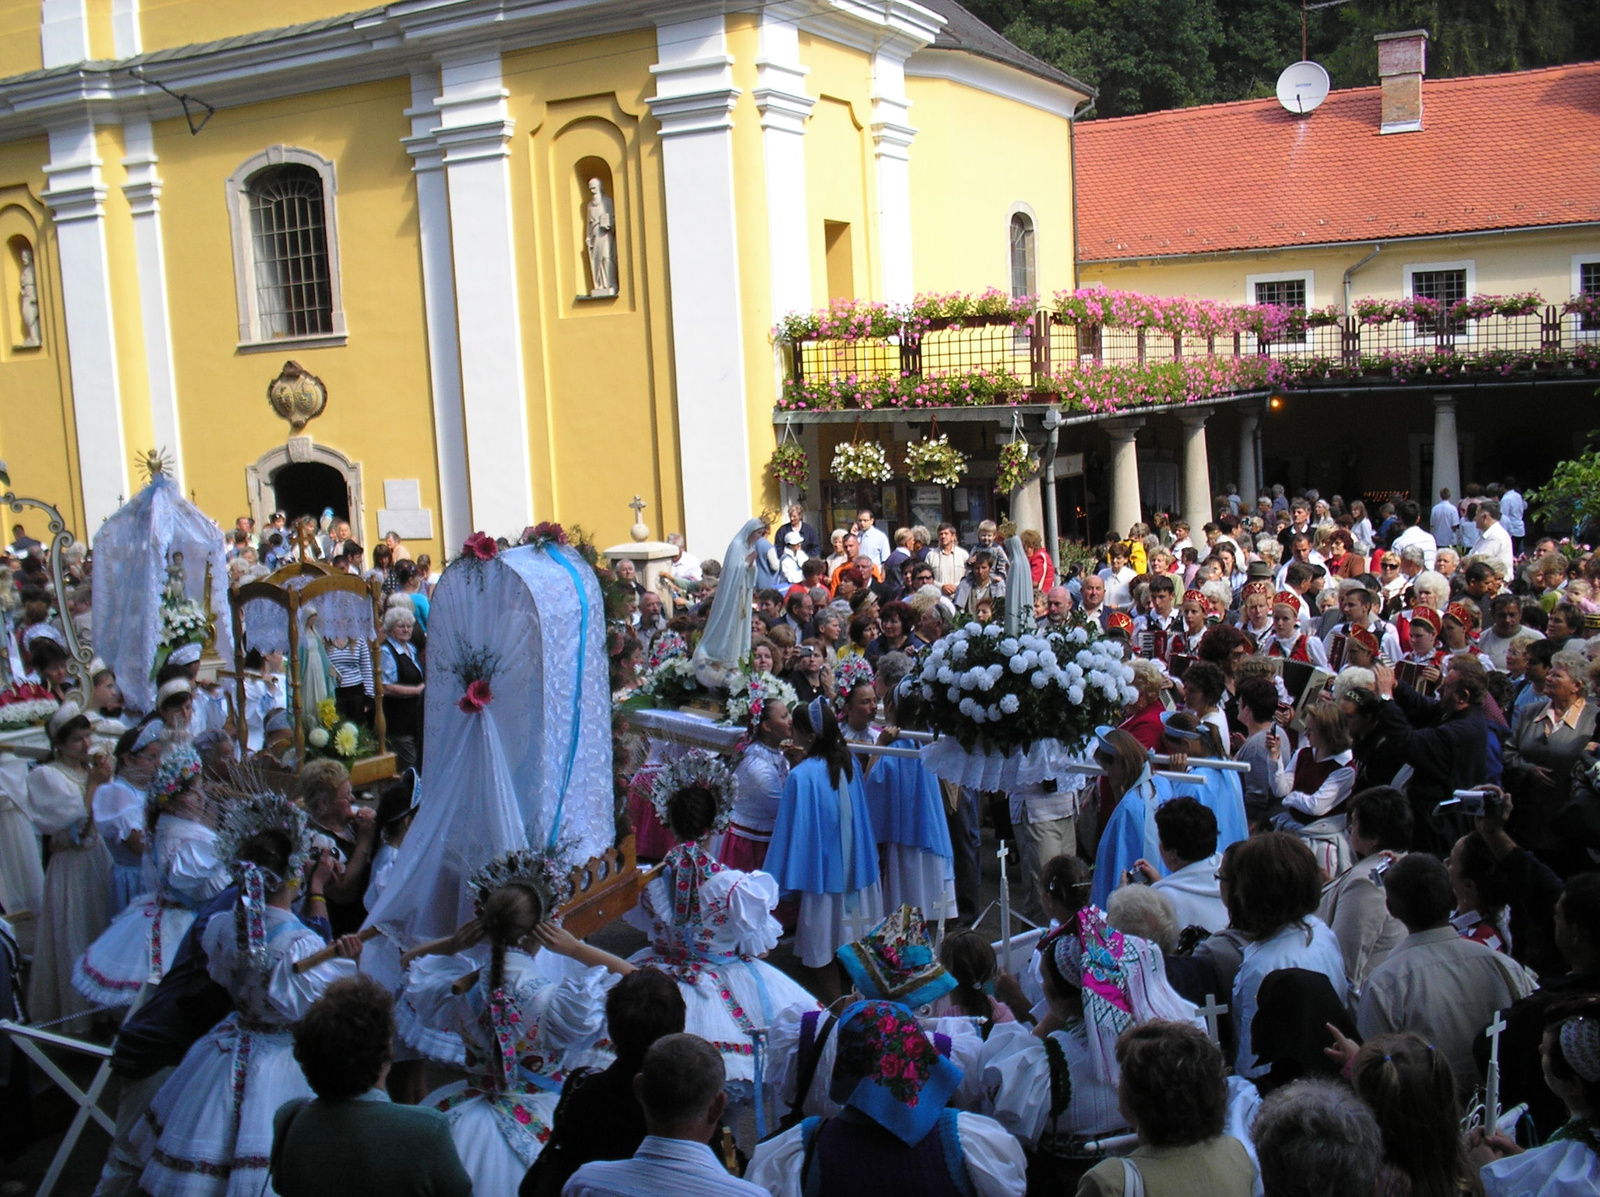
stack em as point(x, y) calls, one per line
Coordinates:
point(934, 460)
point(861, 461)
point(749, 695)
point(790, 464)
point(696, 767)
point(26, 704)
point(850, 673)
point(1016, 466)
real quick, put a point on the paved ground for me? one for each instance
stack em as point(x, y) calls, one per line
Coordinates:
point(53, 1110)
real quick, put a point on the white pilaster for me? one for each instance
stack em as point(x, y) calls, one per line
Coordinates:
point(63, 32)
point(143, 191)
point(126, 38)
point(1196, 469)
point(1125, 507)
point(892, 134)
point(76, 195)
point(439, 310)
point(1446, 450)
point(694, 105)
point(781, 98)
point(1027, 507)
point(474, 133)
point(1249, 485)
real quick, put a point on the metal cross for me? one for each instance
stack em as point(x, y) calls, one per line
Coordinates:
point(638, 506)
point(1491, 1088)
point(1211, 1012)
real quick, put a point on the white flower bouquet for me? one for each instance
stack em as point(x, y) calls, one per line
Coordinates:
point(999, 693)
point(28, 712)
point(672, 683)
point(935, 460)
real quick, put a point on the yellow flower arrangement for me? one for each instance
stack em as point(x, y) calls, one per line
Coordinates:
point(327, 712)
point(345, 739)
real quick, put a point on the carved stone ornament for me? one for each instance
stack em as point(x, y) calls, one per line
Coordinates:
point(297, 395)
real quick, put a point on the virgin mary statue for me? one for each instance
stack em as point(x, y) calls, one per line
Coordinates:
point(725, 644)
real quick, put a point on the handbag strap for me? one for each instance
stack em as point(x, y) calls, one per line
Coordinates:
point(1132, 1180)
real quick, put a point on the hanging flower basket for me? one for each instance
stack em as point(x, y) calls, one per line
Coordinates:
point(861, 461)
point(1017, 465)
point(934, 460)
point(790, 464)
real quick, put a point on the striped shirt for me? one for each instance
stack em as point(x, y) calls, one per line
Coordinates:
point(352, 664)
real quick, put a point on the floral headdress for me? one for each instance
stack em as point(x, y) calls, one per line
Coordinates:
point(895, 961)
point(696, 768)
point(851, 672)
point(539, 871)
point(748, 707)
point(180, 764)
point(888, 1070)
point(247, 816)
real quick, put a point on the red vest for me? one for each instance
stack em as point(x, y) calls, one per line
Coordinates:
point(1297, 653)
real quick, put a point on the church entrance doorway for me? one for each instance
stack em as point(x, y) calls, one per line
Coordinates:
point(310, 488)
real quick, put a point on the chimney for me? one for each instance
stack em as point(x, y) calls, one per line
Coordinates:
point(1402, 61)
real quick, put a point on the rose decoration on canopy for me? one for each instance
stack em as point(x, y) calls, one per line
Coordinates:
point(480, 546)
point(545, 534)
point(477, 697)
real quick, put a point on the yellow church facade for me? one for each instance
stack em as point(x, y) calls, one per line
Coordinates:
point(532, 252)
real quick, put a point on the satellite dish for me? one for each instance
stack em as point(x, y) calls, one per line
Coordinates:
point(1302, 87)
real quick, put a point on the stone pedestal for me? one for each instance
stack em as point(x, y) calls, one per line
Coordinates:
point(652, 558)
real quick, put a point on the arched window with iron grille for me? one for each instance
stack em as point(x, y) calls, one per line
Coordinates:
point(289, 242)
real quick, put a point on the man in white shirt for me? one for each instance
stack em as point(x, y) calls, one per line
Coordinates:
point(949, 560)
point(1435, 982)
point(1513, 510)
point(1410, 515)
point(1494, 540)
point(1187, 830)
point(685, 566)
point(874, 543)
point(680, 1087)
point(1444, 519)
point(1092, 592)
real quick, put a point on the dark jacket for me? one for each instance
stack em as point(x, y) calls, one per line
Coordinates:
point(598, 1119)
point(364, 1146)
point(1521, 1069)
point(1446, 750)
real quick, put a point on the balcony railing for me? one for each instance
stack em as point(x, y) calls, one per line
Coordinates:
point(1091, 354)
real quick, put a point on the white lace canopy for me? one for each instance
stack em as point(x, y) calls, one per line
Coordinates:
point(131, 553)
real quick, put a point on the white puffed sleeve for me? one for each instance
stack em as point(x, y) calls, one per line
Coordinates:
point(1014, 1081)
point(194, 872)
point(775, 1166)
point(118, 811)
point(748, 898)
point(966, 1053)
point(652, 900)
point(784, 1062)
point(293, 993)
point(427, 1012)
point(995, 1162)
point(572, 1012)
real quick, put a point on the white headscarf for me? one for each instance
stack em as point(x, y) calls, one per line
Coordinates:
point(726, 641)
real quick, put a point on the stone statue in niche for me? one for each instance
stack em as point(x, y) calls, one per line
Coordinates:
point(28, 298)
point(600, 239)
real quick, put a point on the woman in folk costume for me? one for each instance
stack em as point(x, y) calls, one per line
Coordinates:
point(709, 924)
point(1287, 640)
point(760, 775)
point(119, 812)
point(1315, 789)
point(502, 1019)
point(907, 810)
point(209, 1130)
point(895, 1133)
point(1055, 1085)
point(824, 846)
point(142, 942)
point(77, 884)
point(21, 870)
point(1194, 609)
point(894, 962)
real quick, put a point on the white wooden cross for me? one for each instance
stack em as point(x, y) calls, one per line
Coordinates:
point(1491, 1089)
point(1211, 1012)
point(1005, 911)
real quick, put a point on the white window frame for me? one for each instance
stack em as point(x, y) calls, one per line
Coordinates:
point(1575, 325)
point(1020, 342)
point(1469, 331)
point(1308, 277)
point(244, 273)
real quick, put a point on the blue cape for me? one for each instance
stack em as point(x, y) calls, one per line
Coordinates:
point(906, 804)
point(1223, 795)
point(807, 849)
point(1129, 836)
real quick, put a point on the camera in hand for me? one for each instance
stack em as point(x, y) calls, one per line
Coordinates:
point(1475, 803)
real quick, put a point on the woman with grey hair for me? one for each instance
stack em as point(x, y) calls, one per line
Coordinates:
point(402, 686)
point(1547, 740)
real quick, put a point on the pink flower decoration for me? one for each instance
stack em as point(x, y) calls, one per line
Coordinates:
point(521, 1115)
point(480, 545)
point(477, 697)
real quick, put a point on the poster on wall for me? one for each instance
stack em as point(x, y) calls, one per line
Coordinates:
point(927, 506)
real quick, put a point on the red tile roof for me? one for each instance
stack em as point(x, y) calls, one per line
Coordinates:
point(1495, 152)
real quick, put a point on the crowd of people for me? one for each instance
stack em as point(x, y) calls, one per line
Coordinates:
point(1319, 914)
